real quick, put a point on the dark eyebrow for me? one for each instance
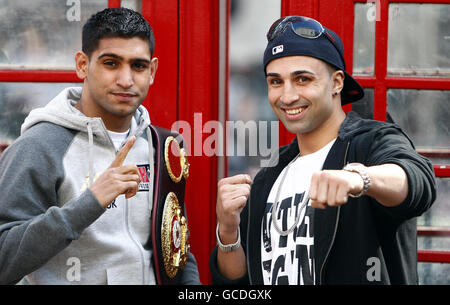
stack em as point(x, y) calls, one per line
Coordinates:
point(110, 55)
point(295, 73)
point(121, 58)
point(272, 75)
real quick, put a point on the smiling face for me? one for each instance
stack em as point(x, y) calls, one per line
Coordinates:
point(300, 91)
point(116, 77)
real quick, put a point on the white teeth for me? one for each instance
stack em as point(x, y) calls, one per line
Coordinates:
point(294, 111)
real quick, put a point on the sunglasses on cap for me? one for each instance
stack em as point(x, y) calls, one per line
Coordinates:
point(302, 26)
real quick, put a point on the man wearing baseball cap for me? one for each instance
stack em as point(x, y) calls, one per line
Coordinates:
point(339, 204)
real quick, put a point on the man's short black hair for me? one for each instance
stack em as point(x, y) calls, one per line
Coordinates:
point(115, 22)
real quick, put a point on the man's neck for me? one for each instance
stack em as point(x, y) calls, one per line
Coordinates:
point(313, 141)
point(112, 123)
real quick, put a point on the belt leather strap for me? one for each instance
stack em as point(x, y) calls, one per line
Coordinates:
point(169, 222)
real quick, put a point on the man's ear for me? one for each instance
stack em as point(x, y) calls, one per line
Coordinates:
point(81, 64)
point(338, 81)
point(153, 68)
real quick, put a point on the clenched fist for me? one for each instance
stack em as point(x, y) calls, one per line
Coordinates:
point(232, 195)
point(332, 187)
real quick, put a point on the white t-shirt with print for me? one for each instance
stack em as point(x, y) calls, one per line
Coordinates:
point(290, 259)
point(118, 138)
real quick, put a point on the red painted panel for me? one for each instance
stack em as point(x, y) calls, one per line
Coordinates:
point(302, 8)
point(38, 76)
point(227, 82)
point(381, 47)
point(418, 83)
point(366, 81)
point(433, 231)
point(113, 3)
point(198, 98)
point(285, 137)
point(441, 170)
point(432, 256)
point(163, 94)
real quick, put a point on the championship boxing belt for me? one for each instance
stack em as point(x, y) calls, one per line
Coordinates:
point(170, 234)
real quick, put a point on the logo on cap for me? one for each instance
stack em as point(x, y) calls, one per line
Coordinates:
point(277, 49)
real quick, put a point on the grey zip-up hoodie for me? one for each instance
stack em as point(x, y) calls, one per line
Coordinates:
point(52, 228)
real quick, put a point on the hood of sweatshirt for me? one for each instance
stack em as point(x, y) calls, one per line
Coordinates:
point(61, 111)
point(354, 125)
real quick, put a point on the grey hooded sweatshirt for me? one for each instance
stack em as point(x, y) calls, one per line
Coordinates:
point(52, 228)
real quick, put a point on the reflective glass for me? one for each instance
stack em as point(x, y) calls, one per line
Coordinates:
point(364, 107)
point(436, 273)
point(18, 99)
point(250, 20)
point(43, 33)
point(423, 114)
point(419, 40)
point(132, 4)
point(433, 273)
point(439, 214)
point(364, 39)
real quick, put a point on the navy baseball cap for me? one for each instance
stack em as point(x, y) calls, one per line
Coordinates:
point(298, 35)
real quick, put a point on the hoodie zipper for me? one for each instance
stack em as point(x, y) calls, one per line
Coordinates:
point(126, 219)
point(335, 228)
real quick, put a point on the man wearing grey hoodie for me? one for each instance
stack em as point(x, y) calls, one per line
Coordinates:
point(73, 208)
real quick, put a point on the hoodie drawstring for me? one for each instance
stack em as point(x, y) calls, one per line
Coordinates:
point(91, 154)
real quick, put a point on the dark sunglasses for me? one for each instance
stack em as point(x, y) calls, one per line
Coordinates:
point(302, 26)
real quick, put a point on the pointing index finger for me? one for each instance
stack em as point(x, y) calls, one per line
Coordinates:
point(122, 154)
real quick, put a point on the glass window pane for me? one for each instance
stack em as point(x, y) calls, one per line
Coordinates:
point(18, 99)
point(135, 5)
point(433, 273)
point(423, 115)
point(364, 39)
point(43, 33)
point(364, 107)
point(419, 40)
point(249, 22)
point(439, 214)
point(436, 243)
